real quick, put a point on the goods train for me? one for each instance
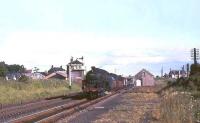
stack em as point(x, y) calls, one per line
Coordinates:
point(97, 81)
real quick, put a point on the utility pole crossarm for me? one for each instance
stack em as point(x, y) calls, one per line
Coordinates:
point(195, 55)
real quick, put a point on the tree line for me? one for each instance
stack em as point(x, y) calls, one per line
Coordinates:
point(14, 68)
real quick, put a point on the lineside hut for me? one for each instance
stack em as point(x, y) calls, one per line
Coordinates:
point(144, 78)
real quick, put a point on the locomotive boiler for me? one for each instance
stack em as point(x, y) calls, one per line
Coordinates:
point(97, 81)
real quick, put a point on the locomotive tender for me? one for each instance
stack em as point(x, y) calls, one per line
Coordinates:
point(97, 81)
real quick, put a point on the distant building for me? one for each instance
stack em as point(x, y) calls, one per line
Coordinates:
point(175, 74)
point(144, 78)
point(35, 75)
point(183, 73)
point(28, 71)
point(76, 69)
point(57, 75)
point(130, 80)
point(55, 69)
point(13, 76)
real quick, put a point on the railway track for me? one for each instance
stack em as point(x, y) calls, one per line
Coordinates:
point(47, 110)
point(16, 111)
point(56, 113)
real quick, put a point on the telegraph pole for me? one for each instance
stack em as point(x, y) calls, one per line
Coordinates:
point(188, 69)
point(195, 55)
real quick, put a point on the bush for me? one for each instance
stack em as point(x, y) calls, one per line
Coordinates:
point(23, 78)
point(187, 84)
point(195, 69)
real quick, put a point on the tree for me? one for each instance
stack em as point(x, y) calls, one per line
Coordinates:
point(15, 68)
point(36, 69)
point(3, 69)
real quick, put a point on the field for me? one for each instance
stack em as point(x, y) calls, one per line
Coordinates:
point(12, 92)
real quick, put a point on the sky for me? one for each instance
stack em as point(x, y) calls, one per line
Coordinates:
point(121, 36)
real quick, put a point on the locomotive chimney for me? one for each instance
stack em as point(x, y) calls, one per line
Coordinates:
point(71, 60)
point(93, 68)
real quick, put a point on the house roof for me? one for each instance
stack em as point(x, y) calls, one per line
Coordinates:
point(56, 73)
point(183, 72)
point(144, 70)
point(55, 69)
point(76, 62)
point(28, 71)
point(174, 72)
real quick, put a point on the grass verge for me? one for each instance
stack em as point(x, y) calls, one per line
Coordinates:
point(177, 107)
point(12, 92)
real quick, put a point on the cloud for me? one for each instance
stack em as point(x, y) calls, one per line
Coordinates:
point(43, 49)
point(153, 59)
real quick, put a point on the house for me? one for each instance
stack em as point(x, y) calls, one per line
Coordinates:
point(13, 76)
point(37, 75)
point(31, 75)
point(175, 74)
point(183, 73)
point(75, 69)
point(144, 78)
point(57, 75)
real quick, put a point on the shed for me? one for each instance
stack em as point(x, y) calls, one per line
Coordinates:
point(144, 78)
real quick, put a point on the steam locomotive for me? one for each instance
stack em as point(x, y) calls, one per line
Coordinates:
point(97, 81)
